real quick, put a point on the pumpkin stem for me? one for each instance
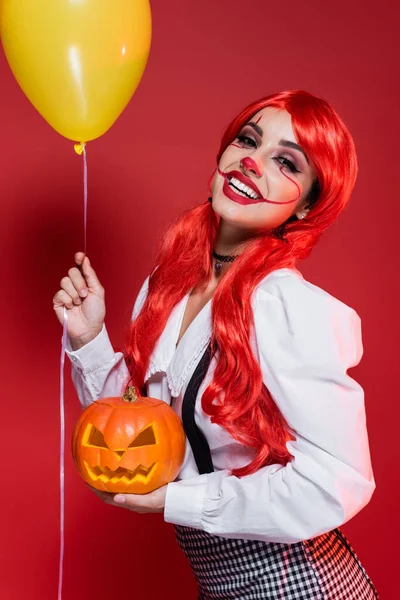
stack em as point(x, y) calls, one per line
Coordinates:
point(130, 394)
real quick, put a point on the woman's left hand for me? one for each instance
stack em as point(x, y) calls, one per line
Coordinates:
point(152, 502)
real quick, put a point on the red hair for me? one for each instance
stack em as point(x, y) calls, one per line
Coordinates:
point(236, 398)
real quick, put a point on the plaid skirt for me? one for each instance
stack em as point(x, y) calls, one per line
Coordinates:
point(322, 568)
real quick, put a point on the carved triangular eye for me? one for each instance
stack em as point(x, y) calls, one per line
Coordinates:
point(145, 438)
point(96, 438)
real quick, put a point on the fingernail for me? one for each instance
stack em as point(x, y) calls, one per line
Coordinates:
point(119, 499)
point(83, 292)
point(88, 261)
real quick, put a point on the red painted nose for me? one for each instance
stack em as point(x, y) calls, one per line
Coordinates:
point(251, 165)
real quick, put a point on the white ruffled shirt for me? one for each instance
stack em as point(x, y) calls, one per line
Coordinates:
point(305, 340)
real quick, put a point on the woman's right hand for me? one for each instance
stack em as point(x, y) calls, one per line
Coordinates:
point(86, 313)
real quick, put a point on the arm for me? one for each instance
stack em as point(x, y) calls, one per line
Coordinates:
point(96, 370)
point(306, 341)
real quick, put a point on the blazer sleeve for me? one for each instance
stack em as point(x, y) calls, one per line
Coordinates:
point(306, 341)
point(96, 370)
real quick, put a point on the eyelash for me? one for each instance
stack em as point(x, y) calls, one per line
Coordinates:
point(288, 163)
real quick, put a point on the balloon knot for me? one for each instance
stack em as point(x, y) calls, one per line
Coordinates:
point(79, 147)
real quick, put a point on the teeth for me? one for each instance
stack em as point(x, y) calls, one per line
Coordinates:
point(247, 192)
point(105, 475)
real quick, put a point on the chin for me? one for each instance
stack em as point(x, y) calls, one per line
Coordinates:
point(236, 214)
point(227, 209)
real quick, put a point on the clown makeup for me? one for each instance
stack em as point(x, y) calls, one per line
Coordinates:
point(264, 176)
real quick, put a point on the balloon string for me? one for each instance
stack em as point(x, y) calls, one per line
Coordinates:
point(62, 452)
point(62, 404)
point(85, 194)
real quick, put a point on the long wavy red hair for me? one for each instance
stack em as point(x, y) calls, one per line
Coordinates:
point(237, 399)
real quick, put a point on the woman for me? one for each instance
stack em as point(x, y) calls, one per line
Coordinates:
point(277, 455)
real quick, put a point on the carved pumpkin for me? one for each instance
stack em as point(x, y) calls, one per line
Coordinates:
point(130, 445)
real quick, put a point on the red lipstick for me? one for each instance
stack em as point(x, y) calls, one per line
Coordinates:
point(236, 197)
point(232, 195)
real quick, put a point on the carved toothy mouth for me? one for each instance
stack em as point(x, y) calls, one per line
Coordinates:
point(105, 474)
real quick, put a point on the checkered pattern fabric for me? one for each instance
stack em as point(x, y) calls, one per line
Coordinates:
point(322, 568)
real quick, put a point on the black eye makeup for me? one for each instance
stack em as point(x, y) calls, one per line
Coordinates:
point(286, 163)
point(246, 140)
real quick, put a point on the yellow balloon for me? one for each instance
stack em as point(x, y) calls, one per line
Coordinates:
point(78, 61)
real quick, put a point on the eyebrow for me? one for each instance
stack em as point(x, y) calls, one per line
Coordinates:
point(286, 143)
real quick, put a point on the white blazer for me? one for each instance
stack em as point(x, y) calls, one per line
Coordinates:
point(305, 340)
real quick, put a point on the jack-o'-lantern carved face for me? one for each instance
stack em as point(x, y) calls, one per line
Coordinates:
point(128, 446)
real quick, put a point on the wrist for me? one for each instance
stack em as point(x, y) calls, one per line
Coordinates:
point(77, 343)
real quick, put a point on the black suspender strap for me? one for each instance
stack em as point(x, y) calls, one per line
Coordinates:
point(198, 442)
point(197, 439)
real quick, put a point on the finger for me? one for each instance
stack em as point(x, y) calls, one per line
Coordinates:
point(133, 501)
point(78, 281)
point(105, 496)
point(68, 286)
point(122, 499)
point(79, 256)
point(88, 272)
point(62, 299)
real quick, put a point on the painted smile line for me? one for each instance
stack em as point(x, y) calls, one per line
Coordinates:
point(244, 197)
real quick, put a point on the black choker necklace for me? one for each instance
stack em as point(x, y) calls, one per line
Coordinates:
point(220, 258)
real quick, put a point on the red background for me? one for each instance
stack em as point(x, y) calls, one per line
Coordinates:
point(208, 59)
